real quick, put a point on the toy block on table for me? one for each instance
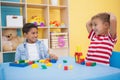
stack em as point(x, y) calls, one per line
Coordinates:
point(18, 65)
point(70, 67)
point(31, 62)
point(90, 63)
point(49, 64)
point(53, 60)
point(79, 58)
point(43, 67)
point(34, 66)
point(60, 66)
point(64, 61)
point(65, 67)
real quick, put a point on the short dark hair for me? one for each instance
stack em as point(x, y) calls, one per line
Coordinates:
point(105, 17)
point(26, 28)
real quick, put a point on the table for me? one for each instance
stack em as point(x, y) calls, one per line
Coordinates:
point(79, 72)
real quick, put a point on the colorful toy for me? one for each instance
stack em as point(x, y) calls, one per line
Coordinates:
point(54, 24)
point(38, 21)
point(34, 66)
point(64, 61)
point(65, 67)
point(43, 66)
point(79, 58)
point(49, 64)
point(60, 65)
point(70, 67)
point(18, 65)
point(90, 63)
point(53, 60)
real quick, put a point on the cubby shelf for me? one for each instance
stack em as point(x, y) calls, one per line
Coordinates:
point(42, 8)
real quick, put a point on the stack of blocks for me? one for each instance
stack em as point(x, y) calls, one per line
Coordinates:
point(79, 58)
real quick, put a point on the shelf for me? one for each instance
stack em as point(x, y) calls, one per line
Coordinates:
point(57, 7)
point(30, 5)
point(46, 13)
point(13, 4)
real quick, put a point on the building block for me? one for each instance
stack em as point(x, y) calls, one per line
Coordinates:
point(21, 61)
point(18, 65)
point(65, 67)
point(90, 63)
point(83, 63)
point(64, 61)
point(49, 64)
point(70, 67)
point(93, 64)
point(43, 67)
point(53, 60)
point(41, 61)
point(60, 65)
point(31, 62)
point(26, 61)
point(34, 66)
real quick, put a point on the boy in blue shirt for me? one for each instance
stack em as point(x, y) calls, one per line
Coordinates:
point(32, 48)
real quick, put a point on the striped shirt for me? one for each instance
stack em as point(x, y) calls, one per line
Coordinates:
point(100, 48)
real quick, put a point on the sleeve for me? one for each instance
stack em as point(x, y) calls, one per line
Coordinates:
point(91, 34)
point(46, 55)
point(113, 40)
point(17, 54)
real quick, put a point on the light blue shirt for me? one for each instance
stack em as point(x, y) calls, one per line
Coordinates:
point(22, 51)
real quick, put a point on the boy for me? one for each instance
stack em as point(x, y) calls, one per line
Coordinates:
point(32, 48)
point(102, 33)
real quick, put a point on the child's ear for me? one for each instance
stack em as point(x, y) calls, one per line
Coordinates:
point(24, 34)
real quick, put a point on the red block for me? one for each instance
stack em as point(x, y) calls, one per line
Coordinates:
point(65, 67)
point(88, 63)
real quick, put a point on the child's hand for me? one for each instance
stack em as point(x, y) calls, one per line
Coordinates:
point(53, 56)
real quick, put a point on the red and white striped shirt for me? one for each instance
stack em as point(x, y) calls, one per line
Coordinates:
point(100, 48)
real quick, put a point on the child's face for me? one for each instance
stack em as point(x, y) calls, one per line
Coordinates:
point(99, 26)
point(32, 35)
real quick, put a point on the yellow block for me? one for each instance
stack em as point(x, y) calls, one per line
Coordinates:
point(34, 65)
point(70, 67)
point(60, 65)
point(49, 64)
point(42, 61)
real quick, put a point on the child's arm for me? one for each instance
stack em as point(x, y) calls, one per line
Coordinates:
point(113, 25)
point(89, 26)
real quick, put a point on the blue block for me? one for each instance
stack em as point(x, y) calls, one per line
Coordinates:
point(18, 65)
point(53, 61)
point(83, 63)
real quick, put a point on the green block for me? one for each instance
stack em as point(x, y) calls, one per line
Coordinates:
point(21, 61)
point(93, 64)
point(64, 61)
point(43, 66)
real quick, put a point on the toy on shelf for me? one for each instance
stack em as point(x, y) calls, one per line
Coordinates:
point(79, 58)
point(38, 21)
point(57, 24)
point(10, 39)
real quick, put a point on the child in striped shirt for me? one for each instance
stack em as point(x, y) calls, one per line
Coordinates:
point(102, 33)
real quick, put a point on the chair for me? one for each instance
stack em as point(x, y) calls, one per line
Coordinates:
point(115, 59)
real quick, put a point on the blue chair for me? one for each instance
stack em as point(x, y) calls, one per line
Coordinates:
point(115, 59)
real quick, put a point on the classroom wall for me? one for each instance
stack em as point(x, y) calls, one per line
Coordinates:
point(80, 12)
